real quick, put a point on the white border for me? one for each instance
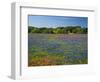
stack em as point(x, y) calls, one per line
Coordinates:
point(19, 43)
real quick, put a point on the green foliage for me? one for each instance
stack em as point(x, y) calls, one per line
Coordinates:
point(58, 30)
point(77, 30)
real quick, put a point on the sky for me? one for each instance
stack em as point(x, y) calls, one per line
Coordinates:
point(56, 21)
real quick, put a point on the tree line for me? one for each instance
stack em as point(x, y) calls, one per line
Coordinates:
point(58, 30)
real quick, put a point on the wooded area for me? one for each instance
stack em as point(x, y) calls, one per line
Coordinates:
point(58, 30)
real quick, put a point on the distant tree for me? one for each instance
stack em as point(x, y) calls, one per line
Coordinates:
point(30, 28)
point(77, 30)
point(35, 30)
point(85, 30)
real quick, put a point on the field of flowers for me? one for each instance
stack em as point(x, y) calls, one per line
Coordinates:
point(57, 49)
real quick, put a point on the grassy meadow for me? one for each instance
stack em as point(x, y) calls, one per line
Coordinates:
point(57, 49)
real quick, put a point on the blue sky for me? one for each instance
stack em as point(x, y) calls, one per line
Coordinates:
point(55, 21)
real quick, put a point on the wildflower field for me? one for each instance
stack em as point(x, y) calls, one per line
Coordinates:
point(57, 49)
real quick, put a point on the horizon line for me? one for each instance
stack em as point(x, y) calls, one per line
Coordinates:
point(56, 26)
